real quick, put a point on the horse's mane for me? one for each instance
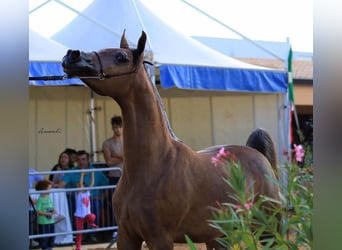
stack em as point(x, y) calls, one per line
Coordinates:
point(162, 108)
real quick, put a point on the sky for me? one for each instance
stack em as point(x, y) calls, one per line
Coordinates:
point(266, 20)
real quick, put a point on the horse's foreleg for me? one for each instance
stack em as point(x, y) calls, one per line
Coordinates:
point(128, 242)
point(128, 245)
point(160, 241)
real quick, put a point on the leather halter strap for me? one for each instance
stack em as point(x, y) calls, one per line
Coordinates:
point(103, 75)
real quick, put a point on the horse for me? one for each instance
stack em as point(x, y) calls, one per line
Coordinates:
point(167, 190)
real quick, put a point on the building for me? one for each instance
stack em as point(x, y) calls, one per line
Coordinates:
point(274, 55)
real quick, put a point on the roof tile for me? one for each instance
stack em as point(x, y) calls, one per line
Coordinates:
point(302, 69)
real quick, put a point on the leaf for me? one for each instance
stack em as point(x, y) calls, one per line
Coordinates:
point(190, 243)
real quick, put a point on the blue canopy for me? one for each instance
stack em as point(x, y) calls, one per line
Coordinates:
point(205, 78)
point(40, 69)
point(185, 77)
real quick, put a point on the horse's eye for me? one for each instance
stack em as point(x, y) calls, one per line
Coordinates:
point(121, 57)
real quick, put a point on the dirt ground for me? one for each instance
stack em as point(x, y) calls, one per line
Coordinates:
point(104, 246)
point(176, 247)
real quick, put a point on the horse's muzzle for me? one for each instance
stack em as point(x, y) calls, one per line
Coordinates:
point(76, 62)
point(72, 57)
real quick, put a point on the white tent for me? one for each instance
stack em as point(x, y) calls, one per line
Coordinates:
point(45, 55)
point(182, 61)
point(43, 49)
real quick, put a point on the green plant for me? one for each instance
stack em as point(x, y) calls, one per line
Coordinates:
point(244, 222)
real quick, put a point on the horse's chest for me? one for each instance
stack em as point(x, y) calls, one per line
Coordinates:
point(128, 201)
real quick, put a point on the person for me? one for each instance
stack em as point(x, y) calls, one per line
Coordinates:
point(72, 153)
point(72, 179)
point(45, 212)
point(83, 209)
point(33, 179)
point(65, 161)
point(112, 149)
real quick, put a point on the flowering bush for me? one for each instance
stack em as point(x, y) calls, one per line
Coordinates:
point(244, 223)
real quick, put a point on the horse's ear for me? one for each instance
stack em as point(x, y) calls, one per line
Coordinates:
point(141, 43)
point(123, 43)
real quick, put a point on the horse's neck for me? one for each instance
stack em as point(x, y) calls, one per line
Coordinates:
point(145, 130)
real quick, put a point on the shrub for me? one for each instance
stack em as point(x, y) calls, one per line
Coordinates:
point(245, 222)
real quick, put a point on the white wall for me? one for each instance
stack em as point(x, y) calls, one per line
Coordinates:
point(199, 118)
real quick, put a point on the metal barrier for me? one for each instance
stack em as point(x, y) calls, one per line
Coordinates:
point(105, 217)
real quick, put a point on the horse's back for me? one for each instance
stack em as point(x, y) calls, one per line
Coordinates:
point(259, 140)
point(254, 164)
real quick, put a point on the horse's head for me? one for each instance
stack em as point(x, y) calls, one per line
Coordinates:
point(99, 70)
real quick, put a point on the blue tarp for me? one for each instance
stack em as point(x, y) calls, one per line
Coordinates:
point(39, 69)
point(187, 77)
point(208, 78)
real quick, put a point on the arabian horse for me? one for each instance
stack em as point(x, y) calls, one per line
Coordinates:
point(167, 190)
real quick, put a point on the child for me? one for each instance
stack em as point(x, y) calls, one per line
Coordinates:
point(45, 211)
point(82, 213)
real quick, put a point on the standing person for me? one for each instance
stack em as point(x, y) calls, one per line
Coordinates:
point(112, 149)
point(83, 209)
point(72, 179)
point(45, 211)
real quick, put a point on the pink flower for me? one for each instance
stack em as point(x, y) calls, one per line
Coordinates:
point(222, 154)
point(296, 193)
point(248, 205)
point(215, 161)
point(299, 151)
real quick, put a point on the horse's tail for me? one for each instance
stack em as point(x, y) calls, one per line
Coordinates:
point(260, 140)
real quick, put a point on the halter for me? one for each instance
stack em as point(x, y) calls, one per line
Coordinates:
point(101, 76)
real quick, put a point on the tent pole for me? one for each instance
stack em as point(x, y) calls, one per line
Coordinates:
point(92, 128)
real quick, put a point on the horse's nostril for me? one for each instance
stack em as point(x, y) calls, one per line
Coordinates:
point(75, 55)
